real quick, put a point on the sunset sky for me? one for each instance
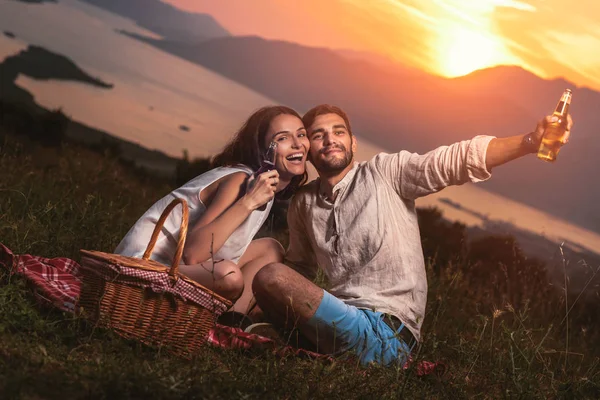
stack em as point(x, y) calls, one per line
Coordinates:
point(552, 38)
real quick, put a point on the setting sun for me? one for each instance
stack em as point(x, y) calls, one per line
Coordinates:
point(461, 51)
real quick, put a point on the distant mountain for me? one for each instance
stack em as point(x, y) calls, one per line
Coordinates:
point(165, 20)
point(378, 60)
point(399, 109)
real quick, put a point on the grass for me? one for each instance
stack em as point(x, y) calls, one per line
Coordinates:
point(492, 317)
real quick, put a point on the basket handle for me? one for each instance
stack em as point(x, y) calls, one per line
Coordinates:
point(182, 233)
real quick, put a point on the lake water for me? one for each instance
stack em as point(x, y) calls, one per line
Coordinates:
point(154, 93)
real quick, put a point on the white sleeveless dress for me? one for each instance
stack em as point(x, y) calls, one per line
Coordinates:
point(136, 240)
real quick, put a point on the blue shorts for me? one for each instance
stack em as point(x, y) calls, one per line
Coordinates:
point(360, 331)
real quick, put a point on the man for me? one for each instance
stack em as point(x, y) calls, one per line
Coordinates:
point(358, 223)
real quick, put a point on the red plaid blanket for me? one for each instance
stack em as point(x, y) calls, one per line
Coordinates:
point(57, 282)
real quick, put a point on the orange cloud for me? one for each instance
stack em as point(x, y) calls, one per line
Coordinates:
point(559, 40)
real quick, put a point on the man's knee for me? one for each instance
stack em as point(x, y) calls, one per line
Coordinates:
point(269, 279)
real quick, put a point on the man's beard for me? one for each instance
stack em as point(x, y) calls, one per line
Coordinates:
point(336, 164)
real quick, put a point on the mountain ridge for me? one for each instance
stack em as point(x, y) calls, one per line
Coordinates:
point(164, 19)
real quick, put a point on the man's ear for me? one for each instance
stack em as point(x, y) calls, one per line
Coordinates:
point(354, 144)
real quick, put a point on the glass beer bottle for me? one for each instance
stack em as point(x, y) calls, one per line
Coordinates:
point(555, 131)
point(267, 164)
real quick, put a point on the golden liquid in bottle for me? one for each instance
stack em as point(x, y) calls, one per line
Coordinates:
point(554, 133)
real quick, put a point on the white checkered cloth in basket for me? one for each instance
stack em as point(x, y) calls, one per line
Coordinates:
point(158, 282)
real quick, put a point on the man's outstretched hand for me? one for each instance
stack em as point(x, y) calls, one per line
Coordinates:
point(503, 150)
point(541, 126)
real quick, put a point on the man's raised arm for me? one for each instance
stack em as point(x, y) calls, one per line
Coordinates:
point(414, 175)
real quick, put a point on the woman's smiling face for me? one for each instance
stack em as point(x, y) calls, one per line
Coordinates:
point(292, 145)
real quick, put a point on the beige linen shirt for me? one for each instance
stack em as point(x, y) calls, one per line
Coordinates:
point(367, 241)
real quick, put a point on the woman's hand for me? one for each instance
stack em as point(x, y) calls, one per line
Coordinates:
point(260, 190)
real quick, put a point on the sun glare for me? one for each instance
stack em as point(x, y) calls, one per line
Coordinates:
point(462, 51)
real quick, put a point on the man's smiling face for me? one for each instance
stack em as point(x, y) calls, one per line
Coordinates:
point(332, 146)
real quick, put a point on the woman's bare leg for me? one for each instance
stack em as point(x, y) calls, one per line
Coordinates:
point(259, 253)
point(224, 278)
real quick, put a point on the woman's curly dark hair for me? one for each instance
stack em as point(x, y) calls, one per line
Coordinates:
point(247, 147)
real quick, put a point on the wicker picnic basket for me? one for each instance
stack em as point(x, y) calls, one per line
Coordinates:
point(148, 301)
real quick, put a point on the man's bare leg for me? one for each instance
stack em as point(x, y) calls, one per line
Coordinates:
point(290, 300)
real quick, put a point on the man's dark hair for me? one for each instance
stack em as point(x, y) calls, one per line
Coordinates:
point(309, 118)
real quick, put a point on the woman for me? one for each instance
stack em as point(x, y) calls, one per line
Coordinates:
point(227, 208)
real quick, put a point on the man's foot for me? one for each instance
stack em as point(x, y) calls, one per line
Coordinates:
point(267, 330)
